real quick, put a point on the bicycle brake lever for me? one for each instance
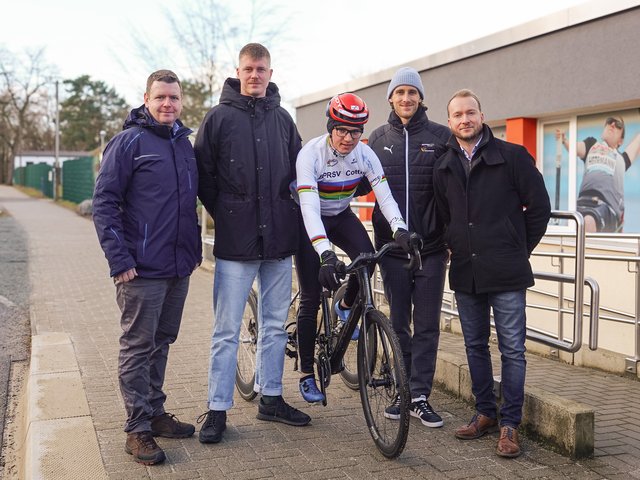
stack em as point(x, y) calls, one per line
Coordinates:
point(416, 258)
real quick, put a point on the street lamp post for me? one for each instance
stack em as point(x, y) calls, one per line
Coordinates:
point(103, 134)
point(56, 165)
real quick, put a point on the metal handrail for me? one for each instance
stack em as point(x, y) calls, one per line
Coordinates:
point(579, 280)
point(574, 346)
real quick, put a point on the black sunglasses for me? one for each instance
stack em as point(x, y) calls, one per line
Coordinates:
point(619, 124)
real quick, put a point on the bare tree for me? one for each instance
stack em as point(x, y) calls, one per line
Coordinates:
point(210, 33)
point(23, 105)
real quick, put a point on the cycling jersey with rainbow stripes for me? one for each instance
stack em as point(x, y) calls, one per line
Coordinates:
point(327, 181)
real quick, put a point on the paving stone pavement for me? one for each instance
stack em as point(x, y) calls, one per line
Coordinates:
point(72, 293)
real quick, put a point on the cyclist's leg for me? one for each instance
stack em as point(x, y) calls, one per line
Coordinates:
point(307, 267)
point(347, 232)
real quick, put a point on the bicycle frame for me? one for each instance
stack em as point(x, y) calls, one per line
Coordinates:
point(363, 304)
point(362, 266)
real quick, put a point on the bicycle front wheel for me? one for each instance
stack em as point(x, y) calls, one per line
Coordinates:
point(383, 382)
point(247, 346)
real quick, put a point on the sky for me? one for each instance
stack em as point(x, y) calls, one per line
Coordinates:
point(322, 44)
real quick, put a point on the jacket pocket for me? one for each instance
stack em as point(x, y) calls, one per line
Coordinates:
point(235, 226)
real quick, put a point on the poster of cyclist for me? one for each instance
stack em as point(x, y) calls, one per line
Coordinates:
point(607, 180)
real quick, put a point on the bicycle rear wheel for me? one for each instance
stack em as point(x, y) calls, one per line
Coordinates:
point(382, 378)
point(248, 344)
point(350, 373)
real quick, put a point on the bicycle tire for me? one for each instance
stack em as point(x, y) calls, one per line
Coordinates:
point(382, 377)
point(247, 347)
point(350, 360)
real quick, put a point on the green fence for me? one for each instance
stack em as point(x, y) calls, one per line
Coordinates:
point(38, 176)
point(78, 178)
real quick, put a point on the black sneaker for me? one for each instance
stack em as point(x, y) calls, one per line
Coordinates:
point(422, 410)
point(168, 426)
point(144, 448)
point(282, 412)
point(215, 422)
point(393, 411)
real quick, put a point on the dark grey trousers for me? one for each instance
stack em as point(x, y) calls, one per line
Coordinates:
point(151, 314)
point(421, 290)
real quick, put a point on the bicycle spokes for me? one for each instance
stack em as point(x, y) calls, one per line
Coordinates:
point(383, 381)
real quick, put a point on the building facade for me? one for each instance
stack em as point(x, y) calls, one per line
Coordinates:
point(553, 85)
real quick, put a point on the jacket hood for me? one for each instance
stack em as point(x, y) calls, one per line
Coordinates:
point(231, 96)
point(140, 117)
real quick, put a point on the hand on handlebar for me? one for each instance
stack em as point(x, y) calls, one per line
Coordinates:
point(331, 270)
point(409, 241)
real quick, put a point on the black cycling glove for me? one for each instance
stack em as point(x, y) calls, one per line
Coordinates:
point(331, 270)
point(408, 240)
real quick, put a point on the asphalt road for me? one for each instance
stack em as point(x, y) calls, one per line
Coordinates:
point(15, 332)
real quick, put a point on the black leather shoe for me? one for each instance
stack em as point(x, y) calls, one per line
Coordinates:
point(215, 422)
point(281, 411)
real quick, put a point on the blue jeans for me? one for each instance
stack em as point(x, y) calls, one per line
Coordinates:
point(511, 324)
point(231, 287)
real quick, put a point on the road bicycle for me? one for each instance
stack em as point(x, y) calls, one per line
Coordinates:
point(380, 372)
point(245, 369)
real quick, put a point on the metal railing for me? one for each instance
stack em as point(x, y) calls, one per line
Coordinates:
point(606, 313)
point(578, 279)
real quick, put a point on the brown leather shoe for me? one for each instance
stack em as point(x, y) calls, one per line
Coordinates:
point(144, 448)
point(508, 445)
point(167, 425)
point(477, 427)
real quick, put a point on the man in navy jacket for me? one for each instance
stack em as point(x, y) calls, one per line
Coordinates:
point(496, 208)
point(144, 211)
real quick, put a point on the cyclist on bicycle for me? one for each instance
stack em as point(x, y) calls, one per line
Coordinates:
point(329, 169)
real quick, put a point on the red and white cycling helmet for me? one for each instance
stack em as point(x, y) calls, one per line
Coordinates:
point(348, 109)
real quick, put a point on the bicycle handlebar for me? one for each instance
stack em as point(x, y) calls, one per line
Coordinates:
point(365, 259)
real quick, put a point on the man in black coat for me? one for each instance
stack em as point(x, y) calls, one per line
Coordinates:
point(407, 147)
point(496, 208)
point(246, 151)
